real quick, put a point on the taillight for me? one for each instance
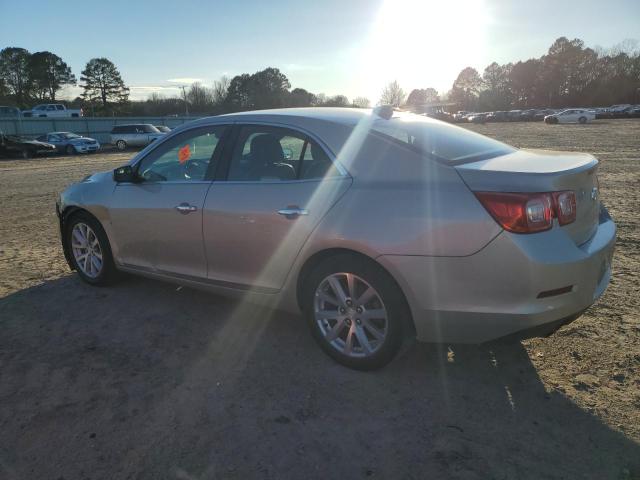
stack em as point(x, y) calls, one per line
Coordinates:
point(529, 212)
point(565, 206)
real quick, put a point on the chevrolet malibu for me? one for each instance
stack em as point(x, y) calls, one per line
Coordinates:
point(375, 225)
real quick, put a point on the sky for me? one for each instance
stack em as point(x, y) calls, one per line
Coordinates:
point(349, 47)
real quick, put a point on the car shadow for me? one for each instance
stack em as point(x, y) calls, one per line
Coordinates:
point(149, 380)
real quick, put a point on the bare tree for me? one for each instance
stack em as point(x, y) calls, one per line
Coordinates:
point(200, 97)
point(220, 89)
point(392, 95)
point(361, 102)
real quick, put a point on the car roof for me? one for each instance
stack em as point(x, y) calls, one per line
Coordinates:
point(345, 116)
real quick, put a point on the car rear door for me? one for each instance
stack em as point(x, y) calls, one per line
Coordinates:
point(275, 186)
point(157, 221)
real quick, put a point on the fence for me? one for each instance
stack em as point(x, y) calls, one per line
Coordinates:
point(94, 127)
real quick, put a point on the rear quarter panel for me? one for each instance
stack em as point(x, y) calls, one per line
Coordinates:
point(404, 204)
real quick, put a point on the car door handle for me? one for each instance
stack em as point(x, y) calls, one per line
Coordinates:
point(185, 208)
point(292, 212)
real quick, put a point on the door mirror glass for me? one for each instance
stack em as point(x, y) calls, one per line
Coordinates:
point(125, 174)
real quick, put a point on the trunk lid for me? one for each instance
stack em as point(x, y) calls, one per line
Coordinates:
point(543, 171)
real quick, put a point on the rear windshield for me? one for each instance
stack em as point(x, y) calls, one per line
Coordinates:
point(441, 141)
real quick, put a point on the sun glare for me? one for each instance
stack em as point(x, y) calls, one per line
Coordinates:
point(423, 43)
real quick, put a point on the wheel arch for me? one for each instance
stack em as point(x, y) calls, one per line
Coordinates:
point(64, 217)
point(318, 257)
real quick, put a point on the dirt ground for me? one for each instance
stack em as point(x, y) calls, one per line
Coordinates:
point(144, 380)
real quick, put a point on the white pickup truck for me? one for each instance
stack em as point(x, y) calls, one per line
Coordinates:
point(51, 110)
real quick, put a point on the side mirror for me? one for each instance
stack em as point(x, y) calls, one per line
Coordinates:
point(125, 174)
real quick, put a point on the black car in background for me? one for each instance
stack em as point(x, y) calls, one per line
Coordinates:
point(13, 146)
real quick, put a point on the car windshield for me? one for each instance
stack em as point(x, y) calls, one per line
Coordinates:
point(69, 135)
point(150, 129)
point(438, 140)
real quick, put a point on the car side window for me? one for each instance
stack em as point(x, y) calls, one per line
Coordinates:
point(264, 153)
point(185, 157)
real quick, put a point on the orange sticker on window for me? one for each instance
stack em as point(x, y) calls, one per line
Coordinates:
point(184, 154)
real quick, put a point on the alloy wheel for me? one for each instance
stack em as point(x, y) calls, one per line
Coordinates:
point(86, 249)
point(350, 314)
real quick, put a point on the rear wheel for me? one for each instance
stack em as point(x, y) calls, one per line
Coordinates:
point(25, 153)
point(582, 120)
point(70, 150)
point(355, 311)
point(89, 249)
point(121, 145)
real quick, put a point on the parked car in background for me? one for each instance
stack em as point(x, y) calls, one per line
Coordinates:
point(14, 146)
point(514, 115)
point(53, 110)
point(70, 143)
point(134, 135)
point(292, 220)
point(527, 115)
point(571, 115)
point(163, 128)
point(460, 115)
point(477, 117)
point(541, 113)
point(9, 112)
point(498, 116)
point(618, 109)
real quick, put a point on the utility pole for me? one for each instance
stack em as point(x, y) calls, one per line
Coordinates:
point(186, 104)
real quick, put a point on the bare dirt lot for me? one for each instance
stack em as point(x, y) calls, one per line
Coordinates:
point(146, 381)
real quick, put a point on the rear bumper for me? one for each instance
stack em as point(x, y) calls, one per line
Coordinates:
point(497, 291)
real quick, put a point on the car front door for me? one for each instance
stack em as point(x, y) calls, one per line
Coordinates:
point(276, 186)
point(157, 221)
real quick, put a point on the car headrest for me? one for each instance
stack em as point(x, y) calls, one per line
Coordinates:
point(266, 149)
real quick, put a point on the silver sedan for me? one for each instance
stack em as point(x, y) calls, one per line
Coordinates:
point(376, 225)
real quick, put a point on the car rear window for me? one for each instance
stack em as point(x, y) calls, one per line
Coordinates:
point(438, 140)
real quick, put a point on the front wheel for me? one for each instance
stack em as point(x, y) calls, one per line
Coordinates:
point(121, 145)
point(25, 154)
point(70, 150)
point(89, 249)
point(356, 311)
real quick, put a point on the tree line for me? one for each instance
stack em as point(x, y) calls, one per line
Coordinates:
point(569, 74)
point(27, 78)
point(268, 88)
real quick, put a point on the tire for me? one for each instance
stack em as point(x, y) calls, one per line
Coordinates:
point(89, 271)
point(347, 326)
point(121, 145)
point(25, 154)
point(582, 120)
point(70, 150)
